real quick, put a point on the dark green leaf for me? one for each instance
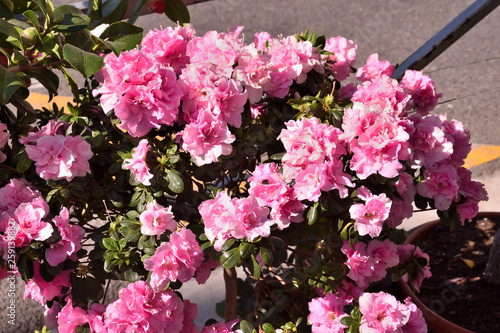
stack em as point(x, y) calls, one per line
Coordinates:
point(5, 11)
point(70, 19)
point(24, 162)
point(85, 62)
point(79, 293)
point(177, 11)
point(115, 198)
point(347, 321)
point(47, 78)
point(9, 83)
point(96, 291)
point(227, 244)
point(230, 258)
point(266, 254)
point(175, 182)
point(25, 267)
point(136, 11)
point(131, 276)
point(246, 249)
point(9, 29)
point(113, 11)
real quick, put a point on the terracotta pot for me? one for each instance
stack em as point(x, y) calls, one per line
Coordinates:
point(435, 322)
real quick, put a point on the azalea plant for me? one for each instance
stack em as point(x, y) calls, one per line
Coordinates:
point(183, 153)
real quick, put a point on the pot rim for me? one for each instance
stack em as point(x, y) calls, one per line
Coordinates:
point(435, 322)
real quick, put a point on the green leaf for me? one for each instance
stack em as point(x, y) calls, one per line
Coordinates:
point(127, 35)
point(96, 291)
point(113, 11)
point(47, 78)
point(25, 267)
point(312, 214)
point(70, 19)
point(230, 258)
point(177, 11)
point(246, 327)
point(110, 244)
point(136, 11)
point(266, 254)
point(246, 249)
point(24, 162)
point(175, 182)
point(9, 29)
point(131, 276)
point(347, 321)
point(85, 62)
point(5, 11)
point(32, 17)
point(277, 157)
point(227, 244)
point(268, 328)
point(9, 83)
point(256, 268)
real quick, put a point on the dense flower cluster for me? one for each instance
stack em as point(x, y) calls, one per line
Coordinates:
point(245, 154)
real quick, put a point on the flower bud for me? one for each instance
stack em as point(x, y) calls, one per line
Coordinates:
point(156, 6)
point(29, 36)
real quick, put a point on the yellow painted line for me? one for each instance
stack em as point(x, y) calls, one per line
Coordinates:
point(481, 154)
point(41, 100)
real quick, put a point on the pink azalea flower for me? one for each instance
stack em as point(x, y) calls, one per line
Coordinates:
point(439, 183)
point(268, 185)
point(174, 260)
point(251, 218)
point(28, 218)
point(70, 318)
point(60, 157)
point(70, 243)
point(220, 327)
point(190, 313)
point(370, 216)
point(416, 323)
point(422, 91)
point(260, 40)
point(326, 313)
point(95, 317)
point(205, 269)
point(156, 219)
point(207, 139)
point(254, 71)
point(429, 142)
point(460, 137)
point(37, 286)
point(50, 315)
point(382, 312)
point(374, 68)
point(169, 46)
point(344, 56)
point(213, 53)
point(143, 93)
point(140, 310)
point(137, 164)
point(409, 254)
point(346, 92)
point(384, 92)
point(217, 218)
point(17, 191)
point(401, 209)
point(52, 128)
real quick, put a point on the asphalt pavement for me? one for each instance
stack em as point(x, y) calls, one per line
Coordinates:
point(467, 74)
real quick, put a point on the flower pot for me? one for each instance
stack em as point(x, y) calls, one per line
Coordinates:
point(435, 322)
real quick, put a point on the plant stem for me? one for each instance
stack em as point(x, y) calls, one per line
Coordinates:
point(230, 282)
